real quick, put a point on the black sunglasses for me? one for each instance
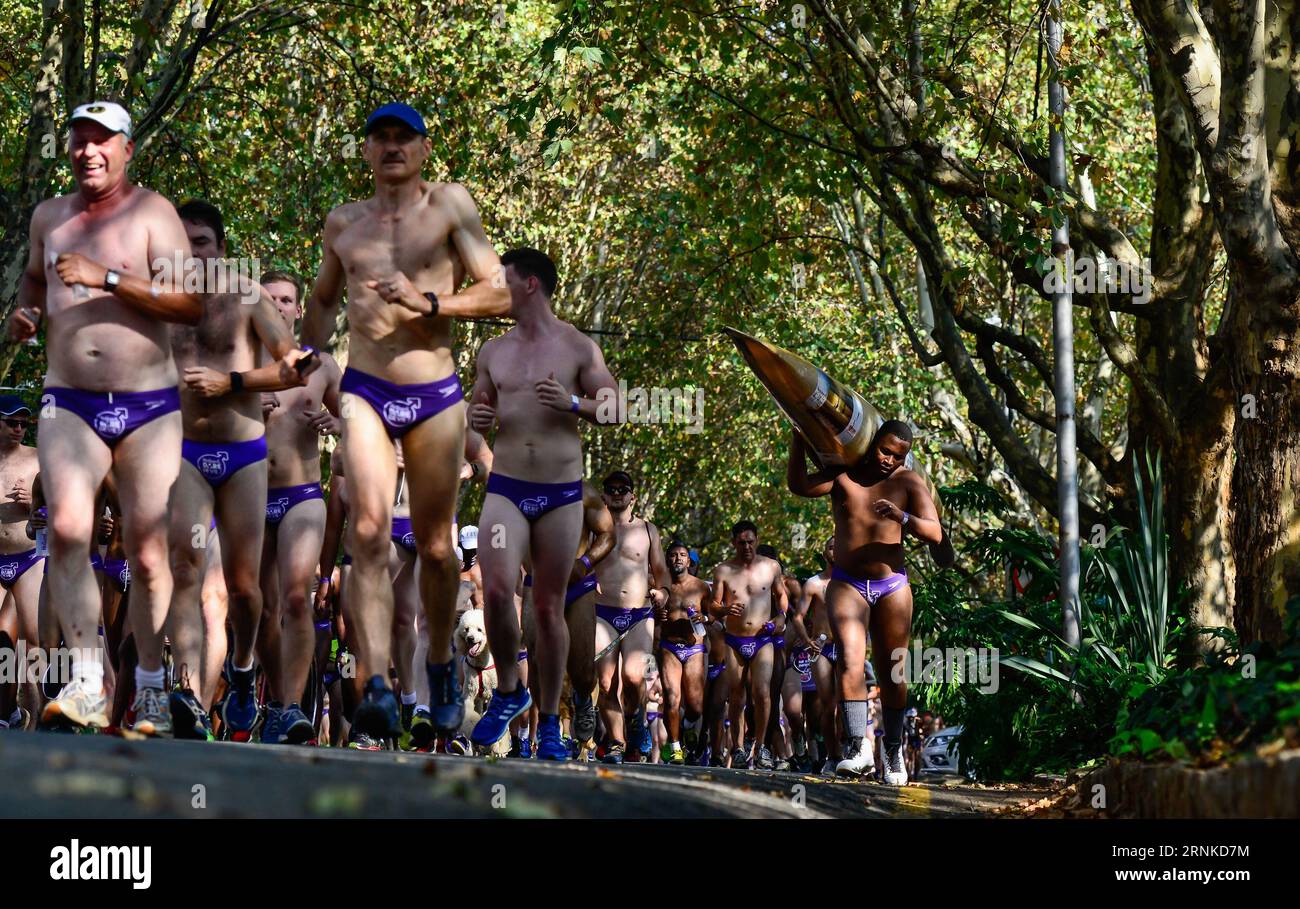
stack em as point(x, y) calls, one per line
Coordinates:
point(15, 423)
point(617, 490)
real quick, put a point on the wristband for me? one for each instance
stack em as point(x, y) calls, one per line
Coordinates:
point(236, 383)
point(322, 581)
point(433, 301)
point(906, 517)
point(574, 398)
point(585, 560)
point(769, 627)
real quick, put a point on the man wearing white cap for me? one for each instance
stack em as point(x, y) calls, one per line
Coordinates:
point(99, 269)
point(403, 255)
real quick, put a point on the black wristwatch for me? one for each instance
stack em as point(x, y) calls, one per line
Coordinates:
point(433, 301)
point(236, 383)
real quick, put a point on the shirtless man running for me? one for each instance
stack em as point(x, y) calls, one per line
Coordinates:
point(622, 611)
point(295, 529)
point(403, 254)
point(534, 383)
point(222, 475)
point(21, 566)
point(875, 504)
point(811, 626)
point(749, 588)
point(597, 541)
point(97, 269)
point(683, 677)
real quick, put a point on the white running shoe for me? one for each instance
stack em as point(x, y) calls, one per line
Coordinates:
point(857, 759)
point(895, 769)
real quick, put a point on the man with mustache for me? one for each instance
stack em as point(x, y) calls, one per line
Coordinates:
point(403, 255)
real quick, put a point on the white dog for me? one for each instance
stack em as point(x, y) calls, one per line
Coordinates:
point(480, 674)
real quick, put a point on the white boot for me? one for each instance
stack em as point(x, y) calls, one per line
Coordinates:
point(895, 769)
point(857, 759)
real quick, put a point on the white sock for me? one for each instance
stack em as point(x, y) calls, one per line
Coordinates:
point(408, 697)
point(676, 745)
point(248, 668)
point(146, 679)
point(90, 674)
point(424, 707)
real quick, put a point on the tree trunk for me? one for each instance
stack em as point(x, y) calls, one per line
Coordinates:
point(1266, 475)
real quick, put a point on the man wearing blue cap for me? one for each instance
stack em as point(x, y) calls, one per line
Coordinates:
point(21, 566)
point(403, 255)
point(100, 270)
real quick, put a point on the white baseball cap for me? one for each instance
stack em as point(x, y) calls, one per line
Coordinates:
point(469, 537)
point(105, 113)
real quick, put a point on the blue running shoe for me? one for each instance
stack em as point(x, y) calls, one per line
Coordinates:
point(295, 728)
point(550, 744)
point(526, 748)
point(446, 703)
point(641, 734)
point(379, 714)
point(240, 711)
point(270, 734)
point(496, 719)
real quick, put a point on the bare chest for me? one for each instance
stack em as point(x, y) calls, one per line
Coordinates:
point(415, 243)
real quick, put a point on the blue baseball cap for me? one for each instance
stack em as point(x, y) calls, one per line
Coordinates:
point(403, 113)
point(12, 404)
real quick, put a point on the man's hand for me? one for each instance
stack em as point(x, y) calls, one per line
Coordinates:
point(23, 323)
point(324, 422)
point(269, 403)
point(205, 382)
point(20, 494)
point(661, 611)
point(74, 268)
point(321, 602)
point(106, 527)
point(657, 597)
point(399, 289)
point(553, 395)
point(734, 606)
point(289, 374)
point(482, 415)
point(887, 509)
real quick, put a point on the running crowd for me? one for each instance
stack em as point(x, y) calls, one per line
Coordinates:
point(170, 529)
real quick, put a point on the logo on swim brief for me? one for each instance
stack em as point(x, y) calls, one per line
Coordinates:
point(8, 572)
point(124, 577)
point(213, 464)
point(275, 510)
point(408, 540)
point(570, 493)
point(399, 413)
point(533, 506)
point(111, 423)
point(748, 649)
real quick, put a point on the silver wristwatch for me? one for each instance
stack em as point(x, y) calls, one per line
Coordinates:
point(112, 279)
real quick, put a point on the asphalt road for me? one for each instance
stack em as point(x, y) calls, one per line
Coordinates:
point(64, 776)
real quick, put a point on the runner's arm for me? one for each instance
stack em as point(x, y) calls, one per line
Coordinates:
point(334, 520)
point(322, 306)
point(488, 297)
point(26, 317)
point(923, 517)
point(478, 456)
point(658, 564)
point(598, 388)
point(601, 523)
point(156, 295)
point(797, 477)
